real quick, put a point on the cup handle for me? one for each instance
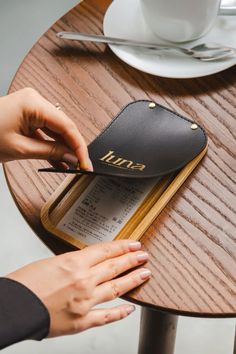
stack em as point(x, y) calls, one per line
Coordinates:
point(228, 8)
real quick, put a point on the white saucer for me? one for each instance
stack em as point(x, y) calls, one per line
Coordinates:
point(124, 19)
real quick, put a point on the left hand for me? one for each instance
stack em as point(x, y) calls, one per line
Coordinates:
point(27, 121)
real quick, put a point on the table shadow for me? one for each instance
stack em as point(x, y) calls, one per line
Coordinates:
point(149, 83)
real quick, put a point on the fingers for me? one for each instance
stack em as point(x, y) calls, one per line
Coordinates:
point(113, 267)
point(98, 253)
point(46, 116)
point(102, 273)
point(58, 122)
point(44, 149)
point(49, 133)
point(118, 287)
point(58, 164)
point(101, 317)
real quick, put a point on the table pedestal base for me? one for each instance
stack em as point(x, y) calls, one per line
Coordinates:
point(157, 332)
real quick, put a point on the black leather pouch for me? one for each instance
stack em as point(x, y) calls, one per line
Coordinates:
point(144, 140)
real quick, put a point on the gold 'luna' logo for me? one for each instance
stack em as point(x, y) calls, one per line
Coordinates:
point(112, 159)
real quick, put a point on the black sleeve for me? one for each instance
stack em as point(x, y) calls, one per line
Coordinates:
point(22, 314)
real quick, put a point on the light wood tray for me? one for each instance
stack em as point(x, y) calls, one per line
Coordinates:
point(72, 187)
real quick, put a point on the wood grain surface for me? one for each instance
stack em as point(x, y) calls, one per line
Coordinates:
point(192, 244)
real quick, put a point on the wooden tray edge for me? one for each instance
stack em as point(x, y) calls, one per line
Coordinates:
point(155, 210)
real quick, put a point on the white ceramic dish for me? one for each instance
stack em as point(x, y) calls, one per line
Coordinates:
point(124, 19)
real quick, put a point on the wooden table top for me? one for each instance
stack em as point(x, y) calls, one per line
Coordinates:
point(192, 244)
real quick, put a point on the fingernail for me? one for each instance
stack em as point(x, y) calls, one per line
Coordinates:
point(88, 166)
point(69, 158)
point(145, 274)
point(134, 246)
point(130, 309)
point(142, 257)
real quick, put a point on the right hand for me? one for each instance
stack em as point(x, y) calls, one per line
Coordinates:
point(70, 285)
point(33, 128)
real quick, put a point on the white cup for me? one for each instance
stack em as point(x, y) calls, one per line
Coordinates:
point(183, 20)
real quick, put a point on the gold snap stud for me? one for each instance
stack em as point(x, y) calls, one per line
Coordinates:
point(152, 105)
point(194, 126)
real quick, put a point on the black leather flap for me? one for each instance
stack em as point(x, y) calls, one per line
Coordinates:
point(144, 140)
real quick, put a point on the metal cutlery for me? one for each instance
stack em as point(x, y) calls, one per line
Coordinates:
point(203, 52)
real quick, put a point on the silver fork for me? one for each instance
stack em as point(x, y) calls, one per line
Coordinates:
point(203, 52)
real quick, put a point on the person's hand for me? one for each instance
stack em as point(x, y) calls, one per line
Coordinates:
point(71, 285)
point(27, 121)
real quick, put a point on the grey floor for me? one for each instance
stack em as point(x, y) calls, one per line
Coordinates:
point(21, 24)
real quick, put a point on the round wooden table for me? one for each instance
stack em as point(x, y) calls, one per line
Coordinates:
point(192, 244)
